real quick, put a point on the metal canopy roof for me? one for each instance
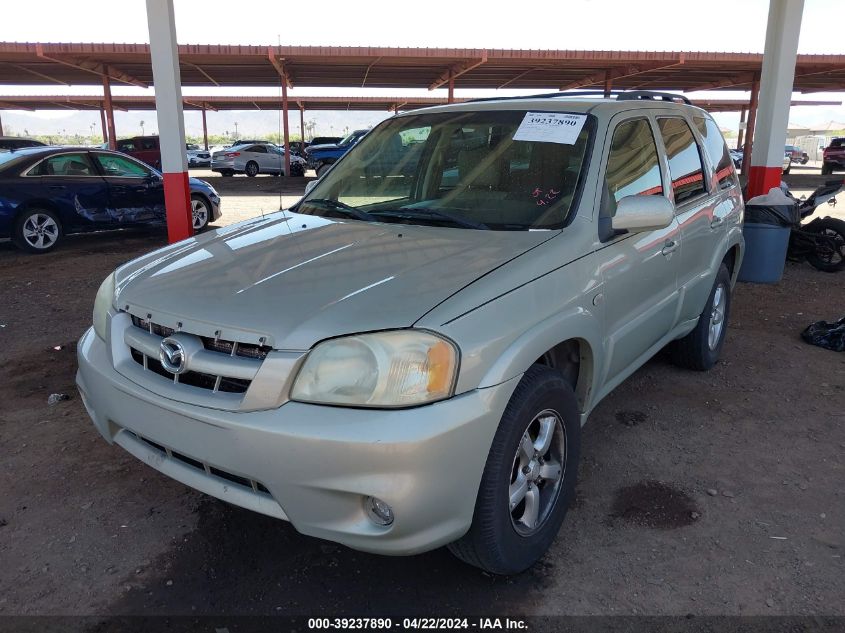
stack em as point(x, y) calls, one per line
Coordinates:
point(146, 102)
point(382, 67)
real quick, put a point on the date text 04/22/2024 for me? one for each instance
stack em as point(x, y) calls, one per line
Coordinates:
point(424, 624)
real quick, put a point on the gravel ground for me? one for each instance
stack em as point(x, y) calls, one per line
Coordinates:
point(699, 493)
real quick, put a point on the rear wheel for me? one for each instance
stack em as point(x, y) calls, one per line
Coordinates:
point(297, 170)
point(251, 169)
point(829, 255)
point(827, 169)
point(700, 349)
point(322, 169)
point(37, 230)
point(200, 212)
point(529, 478)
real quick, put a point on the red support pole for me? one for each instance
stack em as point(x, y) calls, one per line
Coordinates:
point(285, 123)
point(204, 129)
point(451, 98)
point(776, 82)
point(109, 110)
point(164, 53)
point(752, 119)
point(742, 114)
point(103, 125)
point(302, 126)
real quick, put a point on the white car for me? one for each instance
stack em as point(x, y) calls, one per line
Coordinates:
point(254, 159)
point(197, 156)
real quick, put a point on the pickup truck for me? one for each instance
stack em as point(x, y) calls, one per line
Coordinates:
point(321, 157)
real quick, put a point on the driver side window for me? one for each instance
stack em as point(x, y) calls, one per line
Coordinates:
point(633, 166)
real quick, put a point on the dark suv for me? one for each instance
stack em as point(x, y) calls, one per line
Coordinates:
point(797, 155)
point(17, 142)
point(834, 156)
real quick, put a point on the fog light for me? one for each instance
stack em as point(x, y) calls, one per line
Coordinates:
point(379, 512)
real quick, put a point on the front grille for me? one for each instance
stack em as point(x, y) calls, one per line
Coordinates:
point(201, 380)
point(208, 469)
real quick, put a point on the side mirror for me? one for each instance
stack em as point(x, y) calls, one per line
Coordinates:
point(310, 185)
point(642, 213)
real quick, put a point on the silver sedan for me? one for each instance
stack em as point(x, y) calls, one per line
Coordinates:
point(254, 159)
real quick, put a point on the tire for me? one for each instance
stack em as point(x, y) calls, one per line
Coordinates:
point(37, 231)
point(500, 541)
point(698, 350)
point(251, 169)
point(322, 169)
point(297, 170)
point(226, 173)
point(827, 169)
point(200, 212)
point(823, 258)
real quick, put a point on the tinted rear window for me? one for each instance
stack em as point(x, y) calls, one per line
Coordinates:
point(837, 142)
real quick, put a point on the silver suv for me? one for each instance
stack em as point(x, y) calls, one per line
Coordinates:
point(405, 358)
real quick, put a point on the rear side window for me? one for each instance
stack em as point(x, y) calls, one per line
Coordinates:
point(122, 167)
point(837, 142)
point(125, 146)
point(685, 166)
point(149, 143)
point(716, 149)
point(257, 149)
point(633, 168)
point(64, 165)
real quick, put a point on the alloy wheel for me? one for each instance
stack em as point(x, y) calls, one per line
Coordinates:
point(40, 231)
point(717, 317)
point(537, 472)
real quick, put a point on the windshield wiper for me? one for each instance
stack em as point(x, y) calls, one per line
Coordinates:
point(336, 205)
point(425, 214)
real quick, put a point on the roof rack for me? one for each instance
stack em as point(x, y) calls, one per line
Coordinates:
point(621, 95)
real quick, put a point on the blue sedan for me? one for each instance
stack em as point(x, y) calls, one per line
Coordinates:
point(46, 192)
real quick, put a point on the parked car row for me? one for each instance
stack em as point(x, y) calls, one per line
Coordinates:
point(321, 156)
point(47, 192)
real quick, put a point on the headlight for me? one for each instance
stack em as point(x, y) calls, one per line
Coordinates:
point(104, 301)
point(399, 368)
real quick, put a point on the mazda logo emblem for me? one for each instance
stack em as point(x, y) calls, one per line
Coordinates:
point(172, 356)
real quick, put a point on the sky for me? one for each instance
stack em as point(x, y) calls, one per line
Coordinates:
point(679, 25)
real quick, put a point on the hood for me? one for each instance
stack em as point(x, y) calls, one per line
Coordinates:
point(297, 279)
point(317, 148)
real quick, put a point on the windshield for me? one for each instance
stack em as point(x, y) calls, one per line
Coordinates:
point(348, 139)
point(459, 169)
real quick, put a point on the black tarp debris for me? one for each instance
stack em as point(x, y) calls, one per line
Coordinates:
point(828, 335)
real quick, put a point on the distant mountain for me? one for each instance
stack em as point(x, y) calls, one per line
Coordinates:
point(251, 123)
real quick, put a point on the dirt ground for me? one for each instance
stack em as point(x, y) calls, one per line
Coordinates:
point(699, 493)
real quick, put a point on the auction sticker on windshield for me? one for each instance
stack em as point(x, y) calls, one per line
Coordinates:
point(550, 127)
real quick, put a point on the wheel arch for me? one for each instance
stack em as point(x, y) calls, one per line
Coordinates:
point(39, 203)
point(569, 341)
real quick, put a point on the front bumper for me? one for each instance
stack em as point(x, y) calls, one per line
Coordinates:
point(312, 465)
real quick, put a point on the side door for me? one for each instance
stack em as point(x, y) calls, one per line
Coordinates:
point(72, 182)
point(638, 269)
point(136, 192)
point(259, 155)
point(275, 159)
point(699, 207)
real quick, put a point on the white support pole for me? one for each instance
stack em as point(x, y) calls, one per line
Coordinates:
point(776, 81)
point(171, 123)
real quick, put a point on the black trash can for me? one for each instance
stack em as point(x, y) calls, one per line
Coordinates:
point(766, 233)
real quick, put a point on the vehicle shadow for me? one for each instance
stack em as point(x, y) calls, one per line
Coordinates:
point(240, 563)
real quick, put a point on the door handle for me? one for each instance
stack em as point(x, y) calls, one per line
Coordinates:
point(669, 247)
point(717, 222)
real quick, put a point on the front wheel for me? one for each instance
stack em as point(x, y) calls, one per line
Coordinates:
point(200, 213)
point(37, 231)
point(827, 169)
point(297, 170)
point(529, 478)
point(251, 169)
point(322, 169)
point(829, 254)
point(700, 349)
